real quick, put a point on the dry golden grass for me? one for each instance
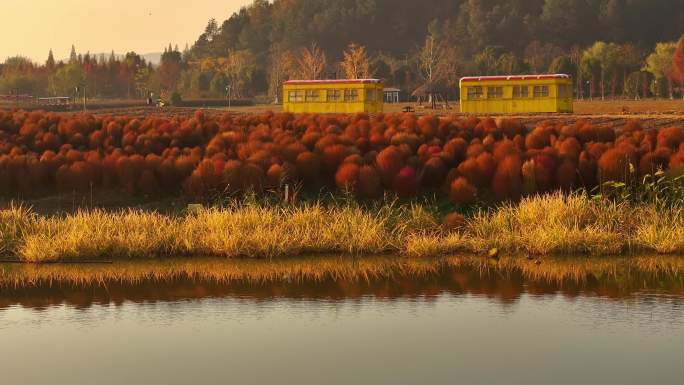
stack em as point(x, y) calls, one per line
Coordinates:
point(660, 231)
point(549, 224)
point(552, 224)
point(247, 231)
point(563, 224)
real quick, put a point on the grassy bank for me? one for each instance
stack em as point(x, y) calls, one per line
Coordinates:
point(551, 224)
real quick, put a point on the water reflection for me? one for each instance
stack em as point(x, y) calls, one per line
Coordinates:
point(336, 279)
point(327, 320)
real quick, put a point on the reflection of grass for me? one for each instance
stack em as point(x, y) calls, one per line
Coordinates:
point(219, 270)
point(632, 271)
point(551, 224)
point(580, 269)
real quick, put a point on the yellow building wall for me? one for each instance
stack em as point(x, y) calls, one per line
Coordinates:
point(322, 106)
point(507, 104)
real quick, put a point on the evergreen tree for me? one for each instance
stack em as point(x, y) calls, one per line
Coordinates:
point(50, 62)
point(73, 57)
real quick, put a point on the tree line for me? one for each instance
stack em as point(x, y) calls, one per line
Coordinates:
point(612, 48)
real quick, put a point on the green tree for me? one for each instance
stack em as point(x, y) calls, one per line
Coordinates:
point(563, 65)
point(50, 62)
point(218, 84)
point(538, 55)
point(631, 59)
point(600, 61)
point(239, 67)
point(659, 63)
point(281, 69)
point(170, 69)
point(69, 77)
point(508, 64)
point(18, 75)
point(487, 60)
point(199, 82)
point(73, 57)
point(637, 84)
point(380, 69)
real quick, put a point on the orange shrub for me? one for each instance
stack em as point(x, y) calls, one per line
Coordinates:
point(389, 162)
point(462, 192)
point(206, 153)
point(347, 177)
point(507, 181)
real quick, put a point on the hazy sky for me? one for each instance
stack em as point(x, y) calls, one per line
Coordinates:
point(31, 27)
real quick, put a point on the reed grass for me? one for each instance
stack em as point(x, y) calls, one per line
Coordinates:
point(548, 224)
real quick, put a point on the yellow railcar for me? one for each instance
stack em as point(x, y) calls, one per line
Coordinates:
point(333, 96)
point(516, 94)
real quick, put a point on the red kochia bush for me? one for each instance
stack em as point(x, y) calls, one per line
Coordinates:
point(566, 175)
point(309, 165)
point(205, 153)
point(507, 181)
point(347, 177)
point(333, 156)
point(389, 162)
point(370, 185)
point(406, 182)
point(670, 137)
point(462, 192)
point(614, 165)
point(434, 172)
point(454, 222)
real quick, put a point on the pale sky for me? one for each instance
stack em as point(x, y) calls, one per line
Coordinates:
point(31, 27)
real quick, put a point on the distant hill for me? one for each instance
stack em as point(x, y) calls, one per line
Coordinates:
point(152, 57)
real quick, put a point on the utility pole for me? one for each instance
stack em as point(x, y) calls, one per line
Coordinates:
point(77, 89)
point(228, 93)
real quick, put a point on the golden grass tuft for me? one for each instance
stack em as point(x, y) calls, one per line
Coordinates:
point(660, 231)
point(549, 224)
point(247, 231)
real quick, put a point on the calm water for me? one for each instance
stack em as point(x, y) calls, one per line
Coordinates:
point(453, 327)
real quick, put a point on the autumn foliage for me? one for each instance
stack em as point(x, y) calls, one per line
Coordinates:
point(463, 158)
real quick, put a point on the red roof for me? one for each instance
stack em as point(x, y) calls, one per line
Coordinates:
point(514, 77)
point(334, 81)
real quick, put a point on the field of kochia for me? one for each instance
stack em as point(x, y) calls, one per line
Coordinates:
point(465, 158)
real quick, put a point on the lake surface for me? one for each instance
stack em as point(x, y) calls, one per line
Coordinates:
point(455, 325)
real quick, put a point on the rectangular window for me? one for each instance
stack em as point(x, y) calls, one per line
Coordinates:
point(370, 95)
point(494, 92)
point(313, 95)
point(334, 95)
point(520, 92)
point(474, 92)
point(351, 95)
point(295, 96)
point(541, 91)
